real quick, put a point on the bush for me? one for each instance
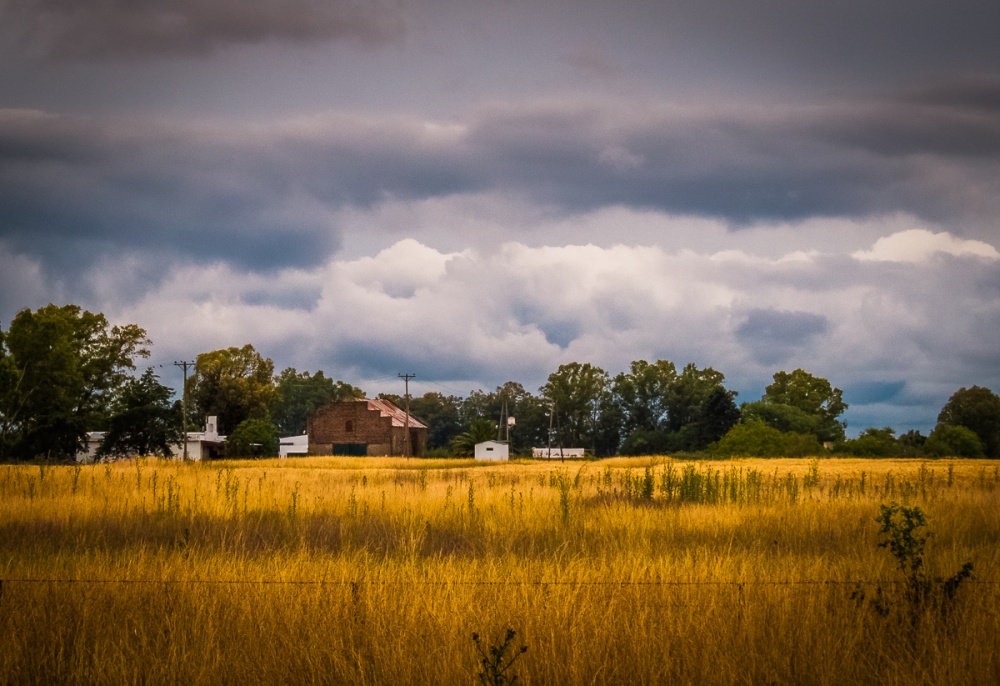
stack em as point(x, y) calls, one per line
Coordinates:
point(948, 440)
point(871, 443)
point(253, 438)
point(757, 439)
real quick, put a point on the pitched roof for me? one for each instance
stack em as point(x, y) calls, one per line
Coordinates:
point(387, 409)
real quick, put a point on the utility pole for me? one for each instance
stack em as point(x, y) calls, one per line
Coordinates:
point(184, 405)
point(406, 436)
point(552, 411)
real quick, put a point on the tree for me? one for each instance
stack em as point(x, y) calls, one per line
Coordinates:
point(651, 442)
point(479, 430)
point(233, 384)
point(60, 369)
point(689, 393)
point(253, 438)
point(530, 412)
point(782, 417)
point(298, 395)
point(642, 394)
point(950, 440)
point(977, 409)
point(662, 411)
point(813, 395)
point(11, 400)
point(717, 415)
point(911, 444)
point(440, 414)
point(578, 393)
point(144, 420)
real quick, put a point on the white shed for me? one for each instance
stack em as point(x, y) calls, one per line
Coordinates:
point(293, 445)
point(492, 450)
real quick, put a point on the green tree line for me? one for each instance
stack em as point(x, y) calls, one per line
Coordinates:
point(65, 371)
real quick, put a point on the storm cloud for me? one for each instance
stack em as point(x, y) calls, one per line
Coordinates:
point(266, 196)
point(478, 192)
point(133, 28)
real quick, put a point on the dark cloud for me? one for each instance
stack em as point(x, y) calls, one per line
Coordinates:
point(374, 358)
point(833, 39)
point(872, 392)
point(772, 336)
point(131, 28)
point(972, 91)
point(753, 164)
point(265, 196)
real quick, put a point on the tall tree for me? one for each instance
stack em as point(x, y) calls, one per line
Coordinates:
point(298, 395)
point(440, 413)
point(642, 394)
point(688, 394)
point(578, 393)
point(718, 414)
point(60, 368)
point(977, 409)
point(233, 384)
point(663, 411)
point(813, 395)
point(144, 419)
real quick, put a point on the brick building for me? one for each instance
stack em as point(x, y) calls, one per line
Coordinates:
point(371, 427)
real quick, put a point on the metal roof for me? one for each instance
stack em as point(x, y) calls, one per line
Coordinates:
point(387, 409)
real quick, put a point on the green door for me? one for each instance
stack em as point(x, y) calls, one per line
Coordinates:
point(351, 449)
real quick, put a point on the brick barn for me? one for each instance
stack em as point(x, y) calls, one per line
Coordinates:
point(365, 426)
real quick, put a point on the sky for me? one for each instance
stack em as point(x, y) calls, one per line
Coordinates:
point(476, 192)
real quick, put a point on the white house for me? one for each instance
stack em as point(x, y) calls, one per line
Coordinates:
point(492, 450)
point(556, 453)
point(296, 446)
point(201, 445)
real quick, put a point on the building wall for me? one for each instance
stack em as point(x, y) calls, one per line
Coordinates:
point(352, 422)
point(492, 450)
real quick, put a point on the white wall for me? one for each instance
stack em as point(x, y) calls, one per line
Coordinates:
point(492, 450)
point(557, 452)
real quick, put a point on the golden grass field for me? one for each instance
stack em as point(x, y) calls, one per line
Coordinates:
point(378, 571)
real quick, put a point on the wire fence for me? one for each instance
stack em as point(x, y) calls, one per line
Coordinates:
point(516, 583)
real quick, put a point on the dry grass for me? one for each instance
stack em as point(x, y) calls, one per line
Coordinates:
point(349, 570)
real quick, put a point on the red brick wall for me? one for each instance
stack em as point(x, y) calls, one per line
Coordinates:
point(329, 425)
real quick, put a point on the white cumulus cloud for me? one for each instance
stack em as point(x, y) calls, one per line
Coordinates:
point(920, 245)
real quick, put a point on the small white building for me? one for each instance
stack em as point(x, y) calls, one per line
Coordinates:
point(557, 453)
point(492, 450)
point(89, 453)
point(201, 445)
point(293, 446)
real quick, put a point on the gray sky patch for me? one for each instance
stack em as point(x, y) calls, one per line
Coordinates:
point(773, 335)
